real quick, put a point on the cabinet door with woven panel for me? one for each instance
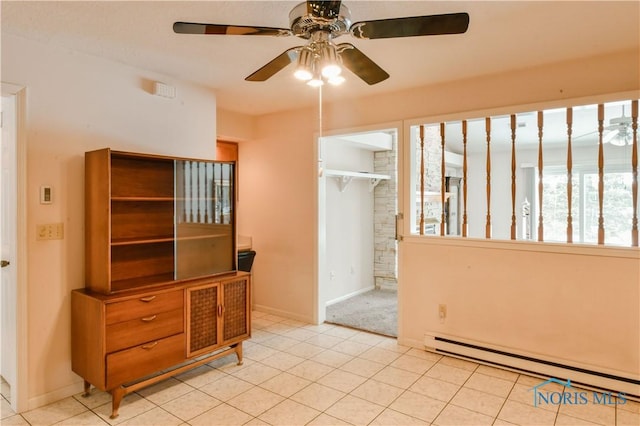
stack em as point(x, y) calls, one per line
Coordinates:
point(203, 330)
point(236, 316)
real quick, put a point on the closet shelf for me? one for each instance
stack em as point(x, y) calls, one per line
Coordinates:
point(344, 177)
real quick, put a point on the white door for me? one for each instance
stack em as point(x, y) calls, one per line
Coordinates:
point(8, 238)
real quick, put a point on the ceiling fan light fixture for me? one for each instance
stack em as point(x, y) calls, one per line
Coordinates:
point(305, 63)
point(621, 139)
point(315, 82)
point(336, 81)
point(329, 60)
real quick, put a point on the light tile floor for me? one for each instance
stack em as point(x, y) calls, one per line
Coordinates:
point(297, 374)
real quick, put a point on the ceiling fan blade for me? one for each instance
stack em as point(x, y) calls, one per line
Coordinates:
point(450, 23)
point(324, 9)
point(195, 28)
point(275, 65)
point(361, 65)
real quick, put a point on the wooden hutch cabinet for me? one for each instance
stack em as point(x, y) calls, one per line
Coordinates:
point(162, 292)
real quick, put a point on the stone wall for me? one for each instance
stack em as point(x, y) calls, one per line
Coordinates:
point(385, 265)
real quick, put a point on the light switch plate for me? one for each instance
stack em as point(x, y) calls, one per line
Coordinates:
point(46, 196)
point(50, 231)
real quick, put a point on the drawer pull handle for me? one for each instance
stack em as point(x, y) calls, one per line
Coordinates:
point(147, 299)
point(148, 319)
point(150, 346)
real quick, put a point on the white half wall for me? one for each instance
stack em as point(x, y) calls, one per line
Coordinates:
point(574, 304)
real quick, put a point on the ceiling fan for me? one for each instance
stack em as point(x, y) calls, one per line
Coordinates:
point(619, 130)
point(617, 133)
point(320, 22)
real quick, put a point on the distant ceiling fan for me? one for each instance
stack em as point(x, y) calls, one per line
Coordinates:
point(617, 133)
point(321, 22)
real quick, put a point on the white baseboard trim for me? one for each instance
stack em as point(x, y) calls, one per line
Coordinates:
point(347, 296)
point(281, 313)
point(54, 396)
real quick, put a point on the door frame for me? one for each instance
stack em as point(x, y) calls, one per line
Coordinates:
point(19, 391)
point(321, 276)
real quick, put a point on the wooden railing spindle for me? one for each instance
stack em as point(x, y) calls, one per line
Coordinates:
point(464, 177)
point(443, 182)
point(421, 179)
point(513, 176)
point(540, 176)
point(600, 174)
point(569, 175)
point(634, 173)
point(488, 224)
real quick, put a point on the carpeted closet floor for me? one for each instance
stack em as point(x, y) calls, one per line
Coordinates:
point(375, 311)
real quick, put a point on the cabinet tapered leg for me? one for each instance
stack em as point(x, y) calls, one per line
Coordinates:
point(116, 398)
point(87, 389)
point(238, 348)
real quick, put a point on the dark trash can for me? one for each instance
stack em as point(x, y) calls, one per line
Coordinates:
point(245, 260)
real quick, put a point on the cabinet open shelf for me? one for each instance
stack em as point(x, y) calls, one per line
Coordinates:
point(148, 240)
point(152, 215)
point(166, 199)
point(344, 177)
point(141, 282)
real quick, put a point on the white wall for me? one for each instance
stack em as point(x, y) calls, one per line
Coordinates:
point(349, 222)
point(77, 103)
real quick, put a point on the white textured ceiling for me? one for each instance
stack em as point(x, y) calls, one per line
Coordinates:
point(502, 35)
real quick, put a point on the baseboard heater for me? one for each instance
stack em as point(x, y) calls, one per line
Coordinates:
point(535, 365)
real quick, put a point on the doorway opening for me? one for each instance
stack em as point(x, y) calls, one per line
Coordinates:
point(358, 204)
point(13, 295)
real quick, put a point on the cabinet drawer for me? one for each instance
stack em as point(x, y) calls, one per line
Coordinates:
point(137, 331)
point(137, 362)
point(143, 306)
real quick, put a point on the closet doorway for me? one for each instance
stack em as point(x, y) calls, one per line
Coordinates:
point(357, 200)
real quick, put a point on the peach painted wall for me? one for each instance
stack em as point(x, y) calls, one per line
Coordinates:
point(77, 103)
point(577, 304)
point(279, 174)
point(277, 208)
point(279, 177)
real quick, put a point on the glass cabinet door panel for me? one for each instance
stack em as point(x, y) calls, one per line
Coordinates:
point(204, 218)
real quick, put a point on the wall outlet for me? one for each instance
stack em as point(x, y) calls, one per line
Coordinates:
point(50, 231)
point(442, 312)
